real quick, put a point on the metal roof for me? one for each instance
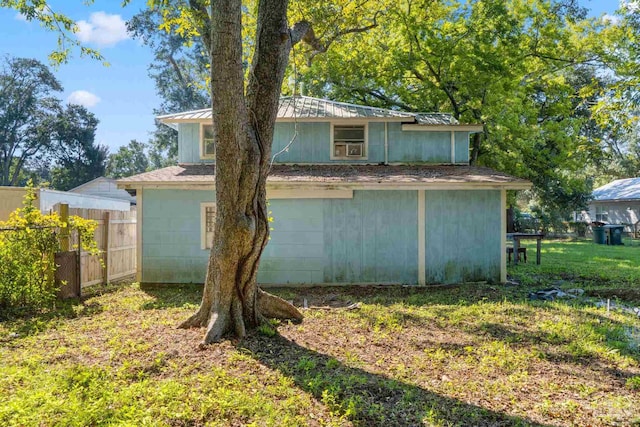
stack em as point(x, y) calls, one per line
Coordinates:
point(305, 107)
point(620, 189)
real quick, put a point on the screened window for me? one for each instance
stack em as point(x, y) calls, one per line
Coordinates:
point(208, 147)
point(349, 142)
point(208, 223)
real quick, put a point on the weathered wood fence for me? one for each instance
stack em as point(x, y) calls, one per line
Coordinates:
point(116, 238)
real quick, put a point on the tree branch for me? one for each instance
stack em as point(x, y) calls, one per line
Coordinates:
point(310, 38)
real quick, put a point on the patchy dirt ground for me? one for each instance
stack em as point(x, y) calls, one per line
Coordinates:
point(464, 355)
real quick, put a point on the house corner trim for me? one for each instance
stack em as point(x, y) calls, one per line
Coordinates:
point(139, 208)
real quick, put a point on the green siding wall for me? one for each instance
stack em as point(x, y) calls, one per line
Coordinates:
point(371, 238)
point(312, 144)
point(418, 146)
point(463, 236)
point(462, 147)
point(189, 144)
point(295, 253)
point(171, 236)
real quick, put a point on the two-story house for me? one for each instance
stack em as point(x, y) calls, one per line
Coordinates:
point(358, 195)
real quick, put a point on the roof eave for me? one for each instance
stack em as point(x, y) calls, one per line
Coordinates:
point(625, 200)
point(352, 185)
point(473, 128)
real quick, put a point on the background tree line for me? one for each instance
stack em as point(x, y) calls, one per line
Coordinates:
point(46, 141)
point(555, 90)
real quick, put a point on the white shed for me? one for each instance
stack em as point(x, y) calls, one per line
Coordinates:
point(104, 187)
point(11, 198)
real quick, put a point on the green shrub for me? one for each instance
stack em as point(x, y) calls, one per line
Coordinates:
point(28, 242)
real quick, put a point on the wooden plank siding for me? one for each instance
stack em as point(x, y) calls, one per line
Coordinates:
point(464, 236)
point(312, 144)
point(370, 238)
point(117, 241)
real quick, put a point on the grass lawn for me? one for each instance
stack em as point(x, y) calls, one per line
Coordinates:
point(468, 355)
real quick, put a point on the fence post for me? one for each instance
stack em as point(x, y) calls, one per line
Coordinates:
point(79, 265)
point(107, 245)
point(64, 232)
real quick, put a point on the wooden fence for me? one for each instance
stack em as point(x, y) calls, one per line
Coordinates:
point(115, 236)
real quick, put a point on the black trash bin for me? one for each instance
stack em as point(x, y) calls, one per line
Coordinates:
point(613, 234)
point(598, 235)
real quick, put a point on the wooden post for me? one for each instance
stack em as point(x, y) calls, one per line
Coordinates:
point(107, 246)
point(64, 232)
point(79, 266)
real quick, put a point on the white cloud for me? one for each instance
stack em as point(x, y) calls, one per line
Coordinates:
point(610, 19)
point(20, 17)
point(103, 30)
point(84, 98)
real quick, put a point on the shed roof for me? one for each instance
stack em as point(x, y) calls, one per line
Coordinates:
point(93, 181)
point(348, 175)
point(306, 107)
point(620, 189)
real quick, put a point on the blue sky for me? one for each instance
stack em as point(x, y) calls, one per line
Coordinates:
point(122, 95)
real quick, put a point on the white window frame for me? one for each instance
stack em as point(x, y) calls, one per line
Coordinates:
point(365, 146)
point(602, 214)
point(204, 242)
point(201, 142)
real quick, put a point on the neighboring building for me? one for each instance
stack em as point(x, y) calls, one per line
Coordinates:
point(617, 202)
point(104, 187)
point(11, 198)
point(362, 195)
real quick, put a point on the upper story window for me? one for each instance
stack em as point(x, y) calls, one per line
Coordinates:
point(349, 142)
point(207, 145)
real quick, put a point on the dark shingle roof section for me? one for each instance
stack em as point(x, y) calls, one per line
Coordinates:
point(339, 174)
point(306, 107)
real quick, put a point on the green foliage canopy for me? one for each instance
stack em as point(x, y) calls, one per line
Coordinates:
point(531, 72)
point(129, 160)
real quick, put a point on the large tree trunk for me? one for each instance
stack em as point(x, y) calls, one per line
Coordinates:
point(243, 128)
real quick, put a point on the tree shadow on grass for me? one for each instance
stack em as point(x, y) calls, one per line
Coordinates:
point(171, 295)
point(365, 398)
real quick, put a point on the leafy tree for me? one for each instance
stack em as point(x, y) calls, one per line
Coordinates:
point(27, 112)
point(529, 72)
point(130, 160)
point(77, 158)
point(244, 103)
point(180, 71)
point(244, 111)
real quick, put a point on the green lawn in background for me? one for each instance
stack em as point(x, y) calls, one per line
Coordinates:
point(465, 355)
point(583, 264)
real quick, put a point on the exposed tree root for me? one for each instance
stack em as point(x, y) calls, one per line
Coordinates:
point(218, 326)
point(273, 307)
point(197, 320)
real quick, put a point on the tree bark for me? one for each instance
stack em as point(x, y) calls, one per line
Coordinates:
point(243, 129)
